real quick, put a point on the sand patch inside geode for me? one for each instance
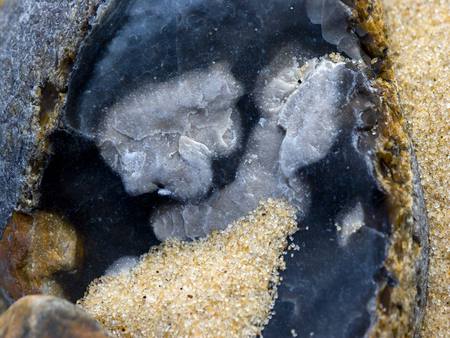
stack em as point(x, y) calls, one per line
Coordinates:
point(222, 286)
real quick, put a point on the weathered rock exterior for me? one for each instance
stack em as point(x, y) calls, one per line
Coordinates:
point(50, 317)
point(38, 44)
point(400, 305)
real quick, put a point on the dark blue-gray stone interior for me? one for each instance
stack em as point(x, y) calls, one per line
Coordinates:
point(328, 290)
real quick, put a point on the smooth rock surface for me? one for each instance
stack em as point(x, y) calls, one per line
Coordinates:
point(49, 317)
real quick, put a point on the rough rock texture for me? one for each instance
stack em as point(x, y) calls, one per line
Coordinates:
point(38, 43)
point(298, 132)
point(400, 304)
point(173, 144)
point(49, 317)
point(33, 250)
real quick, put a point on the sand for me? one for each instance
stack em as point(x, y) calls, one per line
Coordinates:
point(419, 31)
point(222, 286)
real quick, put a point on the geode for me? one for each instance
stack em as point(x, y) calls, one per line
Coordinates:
point(137, 121)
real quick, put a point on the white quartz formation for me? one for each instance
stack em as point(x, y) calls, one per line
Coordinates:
point(334, 17)
point(312, 115)
point(258, 178)
point(121, 265)
point(165, 136)
point(349, 222)
point(298, 126)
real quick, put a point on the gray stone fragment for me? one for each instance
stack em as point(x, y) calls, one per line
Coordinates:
point(38, 43)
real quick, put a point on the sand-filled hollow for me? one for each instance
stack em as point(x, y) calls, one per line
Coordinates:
point(221, 286)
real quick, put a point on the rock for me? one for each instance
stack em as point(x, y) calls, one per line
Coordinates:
point(140, 156)
point(4, 301)
point(306, 111)
point(295, 134)
point(44, 316)
point(34, 250)
point(33, 90)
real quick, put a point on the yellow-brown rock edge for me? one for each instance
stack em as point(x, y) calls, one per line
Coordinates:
point(221, 286)
point(400, 307)
point(33, 250)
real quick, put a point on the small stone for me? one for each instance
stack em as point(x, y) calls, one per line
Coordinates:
point(33, 250)
point(47, 317)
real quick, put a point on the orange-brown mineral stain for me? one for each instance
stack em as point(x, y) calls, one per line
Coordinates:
point(33, 249)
